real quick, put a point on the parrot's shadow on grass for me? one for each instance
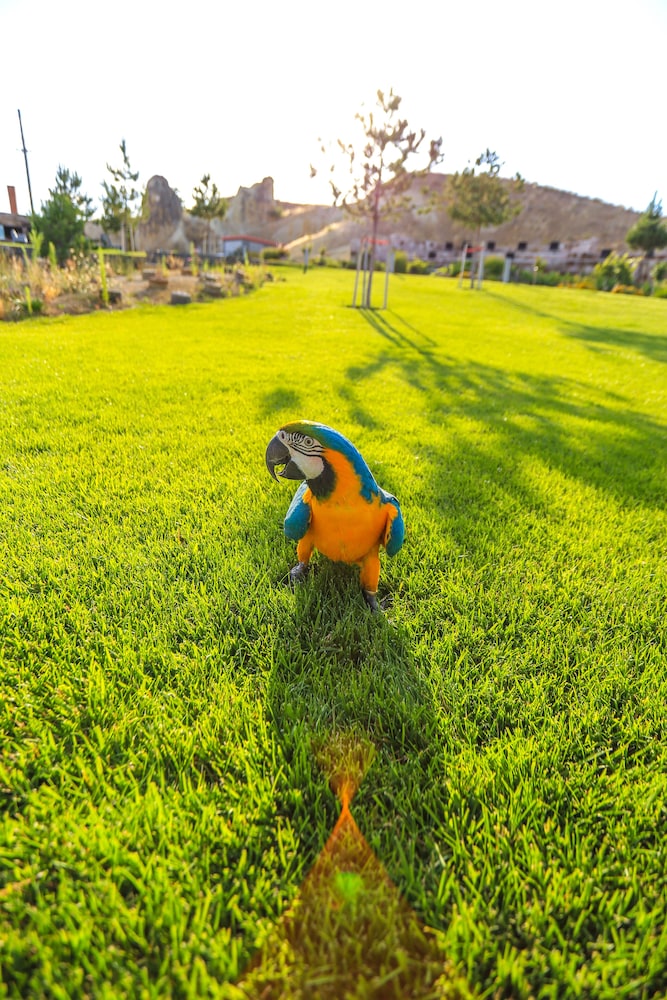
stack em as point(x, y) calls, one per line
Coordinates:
point(340, 673)
point(337, 667)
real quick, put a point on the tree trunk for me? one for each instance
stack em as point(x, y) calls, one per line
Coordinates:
point(371, 259)
point(472, 259)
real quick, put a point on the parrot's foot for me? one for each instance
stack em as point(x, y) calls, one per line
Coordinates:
point(371, 600)
point(298, 573)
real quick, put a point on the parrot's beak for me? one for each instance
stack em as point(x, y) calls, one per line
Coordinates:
point(278, 454)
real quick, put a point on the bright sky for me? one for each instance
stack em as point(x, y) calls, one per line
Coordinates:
point(570, 93)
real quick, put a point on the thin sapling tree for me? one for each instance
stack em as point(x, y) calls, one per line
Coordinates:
point(376, 180)
point(120, 199)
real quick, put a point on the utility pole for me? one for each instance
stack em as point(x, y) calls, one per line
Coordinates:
point(25, 155)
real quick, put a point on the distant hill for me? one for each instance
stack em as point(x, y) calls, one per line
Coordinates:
point(548, 217)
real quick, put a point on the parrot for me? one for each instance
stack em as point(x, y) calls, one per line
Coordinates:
point(338, 508)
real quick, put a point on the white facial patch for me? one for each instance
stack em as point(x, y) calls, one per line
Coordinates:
point(310, 465)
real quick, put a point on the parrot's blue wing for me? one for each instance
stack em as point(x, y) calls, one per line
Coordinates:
point(297, 518)
point(396, 529)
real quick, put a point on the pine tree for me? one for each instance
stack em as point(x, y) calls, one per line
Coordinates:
point(649, 234)
point(64, 215)
point(120, 198)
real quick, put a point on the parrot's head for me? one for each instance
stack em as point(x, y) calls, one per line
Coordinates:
point(296, 450)
point(320, 455)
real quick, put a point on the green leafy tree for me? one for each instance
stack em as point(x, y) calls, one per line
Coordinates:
point(649, 234)
point(120, 201)
point(208, 204)
point(480, 197)
point(63, 216)
point(378, 183)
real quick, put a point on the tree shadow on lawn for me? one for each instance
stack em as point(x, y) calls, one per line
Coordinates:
point(653, 346)
point(589, 434)
point(416, 339)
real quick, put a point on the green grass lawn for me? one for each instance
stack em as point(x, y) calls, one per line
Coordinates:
point(164, 693)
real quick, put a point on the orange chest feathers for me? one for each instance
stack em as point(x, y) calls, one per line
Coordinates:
point(344, 526)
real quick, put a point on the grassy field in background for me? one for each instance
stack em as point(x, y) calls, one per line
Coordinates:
point(164, 693)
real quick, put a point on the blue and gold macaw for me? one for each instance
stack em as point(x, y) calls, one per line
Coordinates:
point(338, 509)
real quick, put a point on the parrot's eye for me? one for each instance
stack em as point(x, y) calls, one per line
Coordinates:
point(308, 441)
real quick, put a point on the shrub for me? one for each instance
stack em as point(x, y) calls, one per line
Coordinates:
point(660, 271)
point(418, 267)
point(550, 278)
point(274, 253)
point(611, 271)
point(31, 306)
point(493, 268)
point(352, 264)
point(400, 262)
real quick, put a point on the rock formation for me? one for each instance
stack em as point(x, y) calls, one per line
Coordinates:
point(164, 215)
point(168, 226)
point(250, 208)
